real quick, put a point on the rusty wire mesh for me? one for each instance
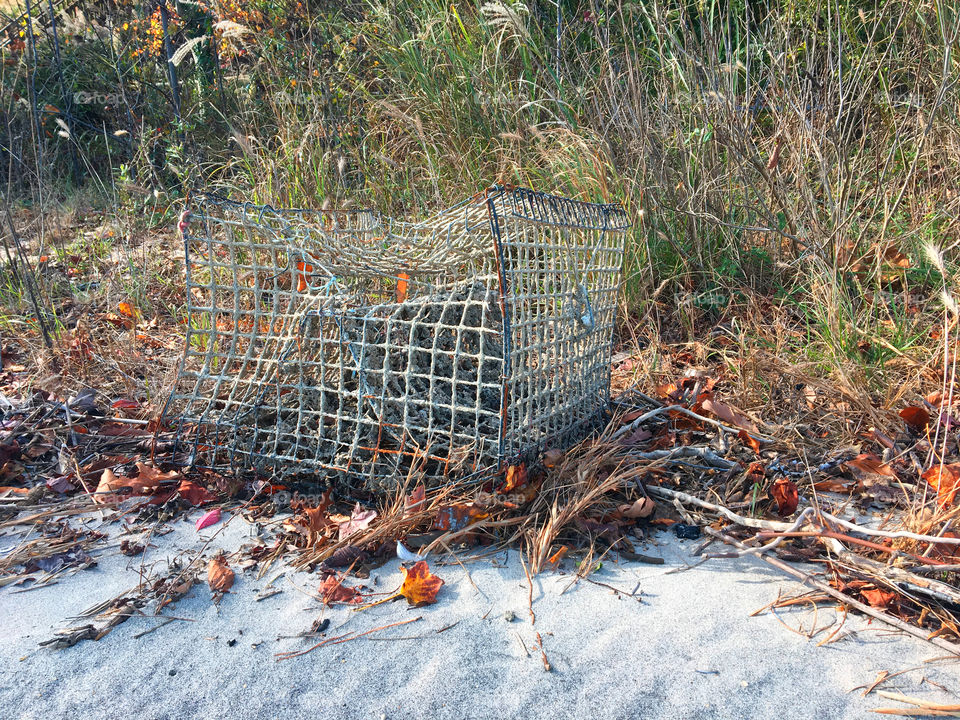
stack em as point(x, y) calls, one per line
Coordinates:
point(360, 348)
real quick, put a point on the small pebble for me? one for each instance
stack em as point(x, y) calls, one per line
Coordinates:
point(171, 673)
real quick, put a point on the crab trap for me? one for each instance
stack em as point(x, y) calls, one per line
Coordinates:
point(361, 349)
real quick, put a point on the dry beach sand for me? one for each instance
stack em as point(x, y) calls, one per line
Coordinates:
point(684, 646)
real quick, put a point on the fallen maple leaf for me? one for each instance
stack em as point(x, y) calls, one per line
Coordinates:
point(314, 521)
point(219, 575)
point(420, 586)
point(945, 479)
point(784, 491)
point(333, 590)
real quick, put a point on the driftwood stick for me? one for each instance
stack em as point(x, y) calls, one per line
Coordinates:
point(689, 413)
point(776, 526)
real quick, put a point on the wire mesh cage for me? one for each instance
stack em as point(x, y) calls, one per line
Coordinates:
point(360, 348)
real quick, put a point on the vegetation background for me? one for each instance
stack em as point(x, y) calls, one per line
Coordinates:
point(791, 165)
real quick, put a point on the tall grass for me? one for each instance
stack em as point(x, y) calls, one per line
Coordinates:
point(802, 150)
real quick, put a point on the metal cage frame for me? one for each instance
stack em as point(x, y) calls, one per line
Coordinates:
point(359, 348)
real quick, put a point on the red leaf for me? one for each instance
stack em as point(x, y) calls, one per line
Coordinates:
point(916, 417)
point(785, 492)
point(333, 590)
point(194, 494)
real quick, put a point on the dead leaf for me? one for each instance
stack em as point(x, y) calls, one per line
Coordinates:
point(219, 575)
point(127, 309)
point(866, 464)
point(747, 439)
point(9, 451)
point(332, 590)
point(360, 520)
point(125, 404)
point(728, 414)
point(642, 508)
point(945, 479)
point(785, 492)
point(876, 597)
point(833, 486)
point(420, 586)
point(916, 417)
point(313, 522)
point(149, 481)
point(413, 503)
point(552, 458)
point(516, 478)
point(194, 494)
point(896, 258)
point(402, 280)
point(456, 517)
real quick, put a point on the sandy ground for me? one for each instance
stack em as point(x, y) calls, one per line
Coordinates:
point(684, 647)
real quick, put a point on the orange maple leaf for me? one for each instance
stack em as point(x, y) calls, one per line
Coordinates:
point(945, 479)
point(420, 586)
